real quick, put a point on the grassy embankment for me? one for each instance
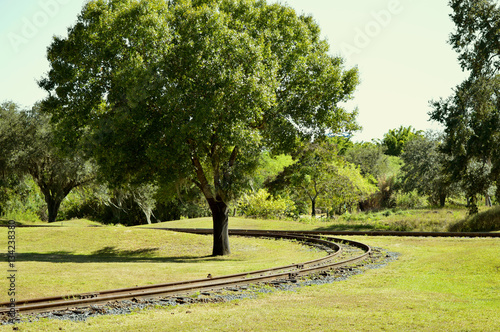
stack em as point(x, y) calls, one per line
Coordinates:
point(438, 220)
point(435, 285)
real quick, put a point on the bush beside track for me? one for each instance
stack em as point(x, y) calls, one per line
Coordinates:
point(487, 221)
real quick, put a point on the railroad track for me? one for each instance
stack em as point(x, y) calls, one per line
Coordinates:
point(336, 258)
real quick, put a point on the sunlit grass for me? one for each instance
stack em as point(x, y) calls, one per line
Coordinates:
point(64, 260)
point(435, 285)
point(65, 223)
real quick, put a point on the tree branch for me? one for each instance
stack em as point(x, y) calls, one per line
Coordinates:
point(202, 182)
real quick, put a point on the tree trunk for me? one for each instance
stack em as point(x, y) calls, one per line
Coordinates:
point(220, 216)
point(148, 217)
point(313, 207)
point(442, 200)
point(472, 205)
point(487, 200)
point(53, 205)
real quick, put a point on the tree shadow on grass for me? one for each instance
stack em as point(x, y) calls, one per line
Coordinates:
point(112, 255)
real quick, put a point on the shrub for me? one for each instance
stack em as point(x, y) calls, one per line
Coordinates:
point(24, 202)
point(411, 200)
point(488, 221)
point(262, 205)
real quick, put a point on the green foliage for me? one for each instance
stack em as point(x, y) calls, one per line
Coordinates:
point(126, 206)
point(122, 205)
point(194, 90)
point(262, 205)
point(348, 188)
point(369, 157)
point(380, 169)
point(100, 203)
point(24, 202)
point(395, 140)
point(472, 120)
point(424, 170)
point(10, 128)
point(472, 115)
point(28, 140)
point(384, 197)
point(225, 75)
point(487, 221)
point(323, 177)
point(410, 200)
point(476, 36)
point(342, 144)
point(268, 168)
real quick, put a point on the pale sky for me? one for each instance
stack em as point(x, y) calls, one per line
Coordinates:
point(399, 46)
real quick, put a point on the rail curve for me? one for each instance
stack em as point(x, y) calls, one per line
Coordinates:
point(324, 239)
point(329, 262)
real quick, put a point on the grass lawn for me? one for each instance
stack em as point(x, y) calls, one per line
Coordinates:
point(435, 285)
point(66, 260)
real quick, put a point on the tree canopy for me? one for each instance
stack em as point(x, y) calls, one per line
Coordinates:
point(395, 139)
point(321, 175)
point(28, 140)
point(194, 89)
point(472, 114)
point(423, 169)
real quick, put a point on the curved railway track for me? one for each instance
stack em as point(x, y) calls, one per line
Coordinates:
point(336, 257)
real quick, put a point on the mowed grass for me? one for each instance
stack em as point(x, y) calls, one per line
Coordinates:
point(66, 260)
point(435, 285)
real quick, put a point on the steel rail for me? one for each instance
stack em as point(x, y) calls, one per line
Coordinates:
point(344, 233)
point(209, 284)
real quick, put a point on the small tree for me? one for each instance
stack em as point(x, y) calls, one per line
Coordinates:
point(144, 196)
point(320, 174)
point(424, 169)
point(395, 140)
point(54, 173)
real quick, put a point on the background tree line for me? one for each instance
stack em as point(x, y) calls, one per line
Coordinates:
point(329, 176)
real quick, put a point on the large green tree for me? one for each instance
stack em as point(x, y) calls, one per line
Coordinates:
point(370, 159)
point(194, 89)
point(472, 114)
point(10, 127)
